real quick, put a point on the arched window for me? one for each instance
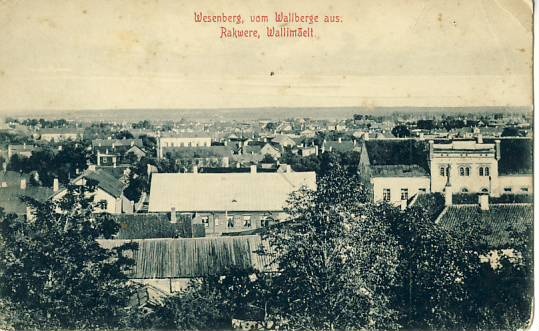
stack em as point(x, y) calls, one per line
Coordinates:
point(461, 171)
point(467, 169)
point(481, 173)
point(464, 190)
point(484, 190)
point(487, 171)
point(442, 171)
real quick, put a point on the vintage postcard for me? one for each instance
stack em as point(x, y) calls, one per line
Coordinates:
point(256, 164)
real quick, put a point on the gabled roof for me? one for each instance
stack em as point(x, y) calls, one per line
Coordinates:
point(495, 222)
point(193, 257)
point(190, 192)
point(282, 139)
point(106, 181)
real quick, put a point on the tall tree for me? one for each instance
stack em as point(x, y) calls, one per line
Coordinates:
point(53, 272)
point(335, 260)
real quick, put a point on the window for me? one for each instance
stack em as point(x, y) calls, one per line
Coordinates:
point(386, 194)
point(422, 190)
point(442, 171)
point(264, 222)
point(206, 221)
point(464, 171)
point(484, 190)
point(461, 171)
point(404, 194)
point(247, 221)
point(524, 189)
point(230, 221)
point(102, 204)
point(104, 160)
point(487, 171)
point(507, 189)
point(467, 170)
point(481, 173)
point(464, 190)
point(216, 221)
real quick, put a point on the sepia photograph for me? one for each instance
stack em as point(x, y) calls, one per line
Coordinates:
point(266, 165)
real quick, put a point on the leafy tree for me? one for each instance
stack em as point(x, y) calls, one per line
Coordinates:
point(335, 260)
point(237, 293)
point(511, 132)
point(53, 272)
point(124, 134)
point(401, 131)
point(268, 159)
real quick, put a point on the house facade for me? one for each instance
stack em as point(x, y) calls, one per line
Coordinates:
point(227, 202)
point(399, 169)
point(188, 139)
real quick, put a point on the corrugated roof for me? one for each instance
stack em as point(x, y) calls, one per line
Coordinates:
point(496, 221)
point(225, 191)
point(193, 257)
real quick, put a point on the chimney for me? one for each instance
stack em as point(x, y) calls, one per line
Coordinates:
point(448, 196)
point(404, 204)
point(431, 149)
point(340, 140)
point(114, 162)
point(55, 185)
point(483, 202)
point(498, 150)
point(253, 168)
point(195, 169)
point(30, 216)
point(173, 215)
point(479, 138)
point(23, 184)
point(60, 147)
point(77, 171)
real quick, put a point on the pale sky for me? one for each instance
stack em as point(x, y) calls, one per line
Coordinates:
point(70, 55)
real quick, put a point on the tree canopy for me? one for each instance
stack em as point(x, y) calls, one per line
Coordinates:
point(53, 272)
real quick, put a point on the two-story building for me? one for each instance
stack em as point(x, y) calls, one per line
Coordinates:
point(398, 169)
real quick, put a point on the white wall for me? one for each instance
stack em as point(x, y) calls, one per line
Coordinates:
point(395, 184)
point(473, 183)
point(516, 183)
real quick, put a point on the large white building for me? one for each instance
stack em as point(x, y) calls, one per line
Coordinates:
point(186, 139)
point(227, 202)
point(398, 170)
